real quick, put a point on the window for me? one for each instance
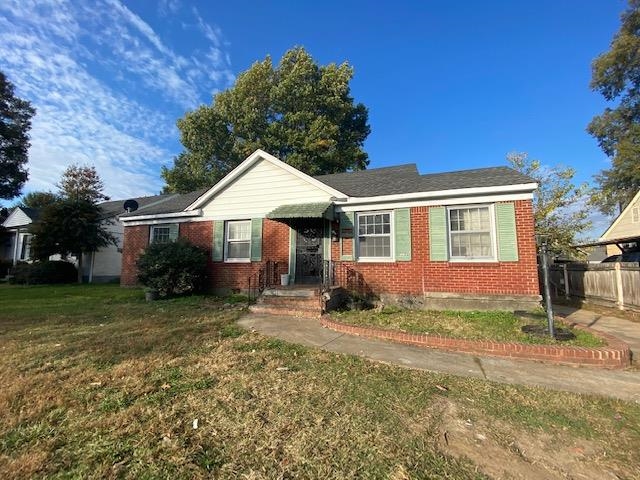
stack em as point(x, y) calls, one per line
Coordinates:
point(374, 235)
point(470, 233)
point(635, 214)
point(160, 234)
point(237, 245)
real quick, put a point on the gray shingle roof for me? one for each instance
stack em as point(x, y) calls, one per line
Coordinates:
point(377, 181)
point(366, 183)
point(174, 202)
point(116, 207)
point(406, 179)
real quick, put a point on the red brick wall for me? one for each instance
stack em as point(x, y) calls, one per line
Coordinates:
point(275, 247)
point(420, 275)
point(134, 242)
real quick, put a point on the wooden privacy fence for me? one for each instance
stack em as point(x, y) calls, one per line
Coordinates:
point(606, 283)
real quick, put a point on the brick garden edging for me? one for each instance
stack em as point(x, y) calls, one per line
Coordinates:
point(615, 355)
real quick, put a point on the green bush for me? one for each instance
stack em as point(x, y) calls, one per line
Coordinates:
point(49, 271)
point(173, 268)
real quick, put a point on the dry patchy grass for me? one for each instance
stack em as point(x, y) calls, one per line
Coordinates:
point(499, 326)
point(104, 385)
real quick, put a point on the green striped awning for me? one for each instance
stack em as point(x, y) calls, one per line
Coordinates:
point(303, 210)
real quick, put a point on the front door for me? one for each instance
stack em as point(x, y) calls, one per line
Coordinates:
point(309, 251)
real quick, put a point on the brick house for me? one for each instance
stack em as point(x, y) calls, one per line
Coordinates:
point(461, 239)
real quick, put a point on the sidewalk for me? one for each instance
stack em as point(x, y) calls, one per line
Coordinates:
point(625, 330)
point(624, 385)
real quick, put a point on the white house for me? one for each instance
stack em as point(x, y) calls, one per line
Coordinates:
point(103, 265)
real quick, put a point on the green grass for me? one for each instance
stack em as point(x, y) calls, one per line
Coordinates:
point(498, 326)
point(98, 383)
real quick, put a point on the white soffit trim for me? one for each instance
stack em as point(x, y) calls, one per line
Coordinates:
point(352, 207)
point(160, 216)
point(443, 194)
point(619, 217)
point(248, 162)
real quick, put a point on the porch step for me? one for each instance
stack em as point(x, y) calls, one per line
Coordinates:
point(289, 301)
point(289, 312)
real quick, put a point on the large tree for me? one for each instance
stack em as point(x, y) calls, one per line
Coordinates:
point(557, 202)
point(82, 182)
point(299, 111)
point(15, 123)
point(616, 75)
point(38, 199)
point(74, 223)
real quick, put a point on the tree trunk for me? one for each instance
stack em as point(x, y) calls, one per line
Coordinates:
point(79, 257)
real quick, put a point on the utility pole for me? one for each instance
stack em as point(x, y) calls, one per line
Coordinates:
point(545, 281)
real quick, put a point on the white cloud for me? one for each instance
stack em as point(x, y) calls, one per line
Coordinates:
point(106, 86)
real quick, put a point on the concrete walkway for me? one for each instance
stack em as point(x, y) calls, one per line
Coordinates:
point(625, 330)
point(624, 385)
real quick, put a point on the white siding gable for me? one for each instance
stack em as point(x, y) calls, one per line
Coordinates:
point(261, 188)
point(628, 224)
point(17, 218)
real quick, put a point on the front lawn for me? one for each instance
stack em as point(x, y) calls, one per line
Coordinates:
point(97, 383)
point(497, 326)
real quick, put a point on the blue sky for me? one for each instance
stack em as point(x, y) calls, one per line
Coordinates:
point(449, 85)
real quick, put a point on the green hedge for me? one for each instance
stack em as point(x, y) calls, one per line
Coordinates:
point(49, 271)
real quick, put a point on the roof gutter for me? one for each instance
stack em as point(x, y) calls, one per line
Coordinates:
point(139, 218)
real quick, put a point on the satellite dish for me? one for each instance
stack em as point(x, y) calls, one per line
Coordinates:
point(130, 205)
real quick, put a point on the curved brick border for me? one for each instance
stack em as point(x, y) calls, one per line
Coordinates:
point(615, 355)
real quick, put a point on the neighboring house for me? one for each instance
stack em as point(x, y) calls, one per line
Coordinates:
point(624, 232)
point(17, 241)
point(464, 236)
point(101, 266)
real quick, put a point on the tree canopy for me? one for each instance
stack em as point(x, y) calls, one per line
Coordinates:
point(38, 199)
point(15, 123)
point(73, 224)
point(82, 182)
point(616, 75)
point(299, 111)
point(556, 203)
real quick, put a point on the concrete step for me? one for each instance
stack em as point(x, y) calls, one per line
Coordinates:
point(295, 292)
point(286, 310)
point(293, 302)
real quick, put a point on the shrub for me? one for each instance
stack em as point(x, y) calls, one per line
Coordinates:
point(173, 268)
point(49, 271)
point(5, 267)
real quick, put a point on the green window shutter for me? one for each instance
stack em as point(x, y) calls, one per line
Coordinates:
point(217, 253)
point(402, 223)
point(174, 230)
point(256, 239)
point(347, 230)
point(507, 234)
point(438, 234)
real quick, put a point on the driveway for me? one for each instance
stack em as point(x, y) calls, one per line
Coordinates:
point(624, 385)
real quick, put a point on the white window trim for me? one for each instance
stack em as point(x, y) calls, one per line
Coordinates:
point(392, 236)
point(152, 229)
point(226, 242)
point(25, 247)
point(492, 231)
